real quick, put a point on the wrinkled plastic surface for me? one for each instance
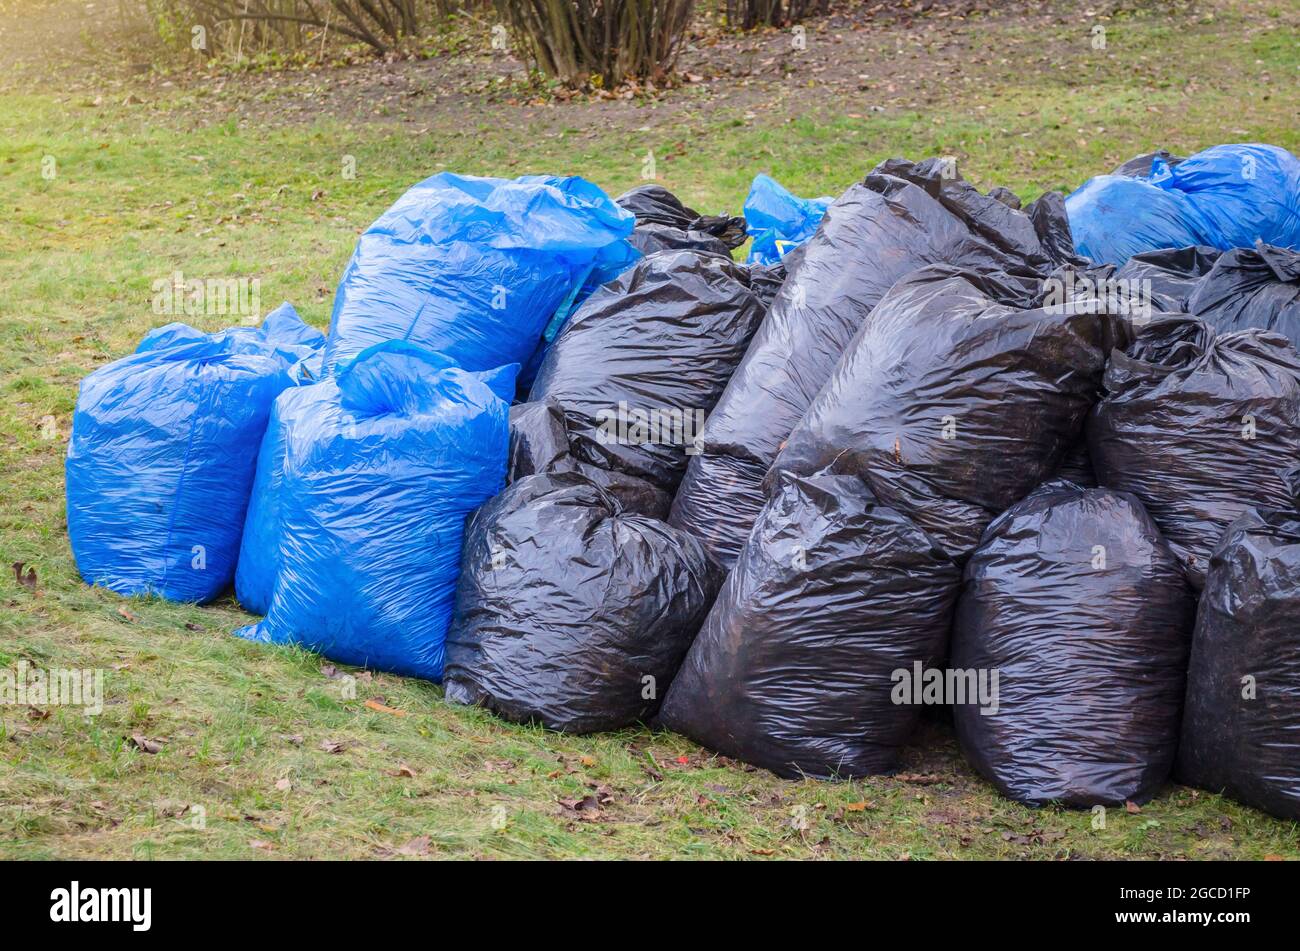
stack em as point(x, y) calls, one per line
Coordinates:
point(765, 280)
point(953, 402)
point(1248, 632)
point(1170, 274)
point(659, 212)
point(640, 365)
point(794, 668)
point(378, 478)
point(477, 268)
point(1198, 427)
point(904, 216)
point(778, 220)
point(571, 613)
point(539, 443)
point(163, 450)
point(259, 549)
point(1077, 603)
point(1228, 196)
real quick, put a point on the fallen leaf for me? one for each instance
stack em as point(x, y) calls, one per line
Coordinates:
point(36, 713)
point(404, 770)
point(144, 744)
point(588, 761)
point(1271, 857)
point(122, 610)
point(919, 779)
point(27, 580)
point(284, 785)
point(260, 844)
point(1132, 807)
point(294, 738)
point(191, 626)
point(382, 708)
point(762, 851)
point(862, 806)
point(333, 746)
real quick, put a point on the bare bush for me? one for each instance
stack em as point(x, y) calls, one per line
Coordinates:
point(748, 14)
point(236, 25)
point(614, 40)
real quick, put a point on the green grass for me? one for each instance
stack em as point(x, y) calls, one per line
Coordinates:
point(180, 185)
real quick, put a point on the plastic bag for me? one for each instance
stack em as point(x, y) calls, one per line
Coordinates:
point(570, 612)
point(795, 667)
point(1078, 606)
point(779, 221)
point(1173, 274)
point(1251, 287)
point(663, 222)
point(902, 217)
point(259, 549)
point(1114, 217)
point(163, 450)
point(477, 268)
point(1241, 726)
point(654, 204)
point(378, 478)
point(1228, 196)
point(951, 403)
point(1198, 427)
point(640, 365)
point(539, 443)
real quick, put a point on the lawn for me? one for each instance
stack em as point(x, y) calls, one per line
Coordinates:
point(270, 752)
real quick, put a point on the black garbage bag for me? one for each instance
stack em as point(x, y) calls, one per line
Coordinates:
point(656, 205)
point(1241, 724)
point(1173, 273)
point(901, 217)
point(539, 443)
point(1198, 426)
point(766, 279)
point(650, 238)
point(1076, 467)
point(953, 404)
point(570, 612)
point(1077, 604)
point(1140, 166)
point(639, 366)
point(796, 667)
point(717, 502)
point(1251, 287)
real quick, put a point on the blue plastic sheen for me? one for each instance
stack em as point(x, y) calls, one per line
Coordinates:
point(164, 444)
point(476, 268)
point(779, 221)
point(369, 479)
point(1228, 196)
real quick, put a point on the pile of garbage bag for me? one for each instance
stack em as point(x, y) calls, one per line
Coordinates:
point(901, 217)
point(1033, 466)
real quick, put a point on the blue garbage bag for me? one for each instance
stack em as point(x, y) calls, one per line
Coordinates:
point(163, 449)
point(475, 268)
point(1228, 196)
point(1240, 194)
point(779, 221)
point(378, 470)
point(1113, 217)
point(259, 550)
